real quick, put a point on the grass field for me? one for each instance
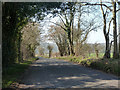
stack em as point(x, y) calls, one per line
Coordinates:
point(12, 73)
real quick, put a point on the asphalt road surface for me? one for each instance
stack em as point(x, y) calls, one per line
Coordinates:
point(52, 73)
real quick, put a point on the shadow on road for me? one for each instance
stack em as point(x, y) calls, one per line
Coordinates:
point(52, 73)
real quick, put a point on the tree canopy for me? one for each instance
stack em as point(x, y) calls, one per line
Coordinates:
point(15, 15)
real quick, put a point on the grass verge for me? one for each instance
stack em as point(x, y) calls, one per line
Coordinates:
point(13, 72)
point(106, 65)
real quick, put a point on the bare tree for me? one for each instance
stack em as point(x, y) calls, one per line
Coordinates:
point(96, 49)
point(115, 53)
point(50, 48)
point(106, 33)
point(41, 50)
point(89, 49)
point(84, 26)
point(59, 36)
point(112, 8)
point(30, 39)
point(68, 15)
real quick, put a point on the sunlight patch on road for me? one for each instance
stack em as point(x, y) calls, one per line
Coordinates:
point(73, 77)
point(58, 64)
point(25, 86)
point(103, 84)
point(99, 84)
point(36, 65)
point(36, 85)
point(51, 64)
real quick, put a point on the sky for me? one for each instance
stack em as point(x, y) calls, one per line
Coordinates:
point(96, 37)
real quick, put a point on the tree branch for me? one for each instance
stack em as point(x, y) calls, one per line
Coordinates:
point(58, 25)
point(66, 19)
point(118, 10)
point(85, 37)
point(109, 25)
point(118, 35)
point(62, 20)
point(99, 4)
point(102, 8)
point(111, 44)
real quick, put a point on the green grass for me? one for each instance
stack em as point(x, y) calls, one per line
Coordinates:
point(44, 56)
point(13, 72)
point(94, 55)
point(107, 65)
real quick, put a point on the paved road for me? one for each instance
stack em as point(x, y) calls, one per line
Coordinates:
point(52, 73)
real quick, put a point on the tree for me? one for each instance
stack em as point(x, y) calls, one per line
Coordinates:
point(112, 8)
point(69, 24)
point(84, 50)
point(58, 35)
point(106, 33)
point(119, 27)
point(50, 48)
point(41, 51)
point(89, 49)
point(115, 53)
point(84, 26)
point(14, 17)
point(96, 49)
point(69, 12)
point(30, 39)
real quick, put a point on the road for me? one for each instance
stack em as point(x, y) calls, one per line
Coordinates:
point(52, 73)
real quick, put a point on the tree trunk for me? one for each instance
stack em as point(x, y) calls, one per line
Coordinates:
point(60, 49)
point(70, 43)
point(68, 50)
point(107, 50)
point(97, 53)
point(76, 48)
point(72, 38)
point(61, 54)
point(89, 53)
point(19, 48)
point(119, 27)
point(115, 52)
point(106, 35)
point(70, 30)
point(49, 53)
